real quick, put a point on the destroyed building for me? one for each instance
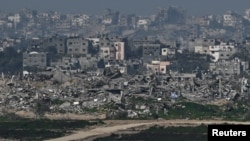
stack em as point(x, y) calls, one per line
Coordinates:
point(232, 67)
point(35, 59)
point(151, 52)
point(158, 67)
point(77, 46)
point(58, 42)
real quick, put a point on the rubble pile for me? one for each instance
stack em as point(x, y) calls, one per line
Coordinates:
point(114, 92)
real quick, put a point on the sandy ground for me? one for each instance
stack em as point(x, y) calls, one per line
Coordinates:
point(113, 126)
point(63, 116)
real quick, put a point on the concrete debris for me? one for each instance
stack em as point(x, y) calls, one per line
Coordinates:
point(84, 92)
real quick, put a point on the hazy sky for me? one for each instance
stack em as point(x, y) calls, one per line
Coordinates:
point(140, 7)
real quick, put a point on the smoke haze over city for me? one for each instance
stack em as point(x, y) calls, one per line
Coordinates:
point(140, 7)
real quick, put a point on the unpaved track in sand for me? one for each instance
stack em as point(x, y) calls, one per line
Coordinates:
point(114, 126)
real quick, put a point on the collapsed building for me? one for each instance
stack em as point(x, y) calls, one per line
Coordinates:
point(83, 93)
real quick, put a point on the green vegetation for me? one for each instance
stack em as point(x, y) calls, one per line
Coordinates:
point(14, 127)
point(10, 60)
point(188, 62)
point(198, 133)
point(57, 102)
point(189, 110)
point(237, 111)
point(91, 110)
point(142, 100)
point(193, 111)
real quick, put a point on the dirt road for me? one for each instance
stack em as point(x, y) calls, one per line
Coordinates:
point(114, 126)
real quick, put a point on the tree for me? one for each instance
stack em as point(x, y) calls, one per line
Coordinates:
point(10, 60)
point(101, 63)
point(188, 62)
point(51, 50)
point(40, 108)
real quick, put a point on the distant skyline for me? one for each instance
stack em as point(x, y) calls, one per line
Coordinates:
point(139, 7)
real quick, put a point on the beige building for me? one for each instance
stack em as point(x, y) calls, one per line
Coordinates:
point(164, 51)
point(198, 49)
point(107, 53)
point(119, 52)
point(158, 66)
